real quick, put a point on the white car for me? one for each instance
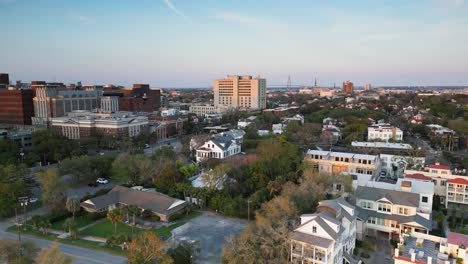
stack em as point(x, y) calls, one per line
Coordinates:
point(102, 181)
point(33, 200)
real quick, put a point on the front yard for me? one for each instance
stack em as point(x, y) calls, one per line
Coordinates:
point(102, 228)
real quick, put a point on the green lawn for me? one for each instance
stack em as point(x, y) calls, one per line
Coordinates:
point(70, 241)
point(81, 221)
point(105, 229)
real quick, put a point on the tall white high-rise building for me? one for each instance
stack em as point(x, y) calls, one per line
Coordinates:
point(242, 92)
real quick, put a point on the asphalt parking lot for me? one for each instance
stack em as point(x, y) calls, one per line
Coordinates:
point(211, 231)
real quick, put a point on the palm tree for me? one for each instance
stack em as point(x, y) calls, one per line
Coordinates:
point(133, 210)
point(115, 216)
point(73, 205)
point(72, 226)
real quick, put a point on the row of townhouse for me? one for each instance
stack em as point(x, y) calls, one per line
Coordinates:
point(452, 188)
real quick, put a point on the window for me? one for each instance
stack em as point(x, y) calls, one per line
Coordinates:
point(424, 199)
point(314, 229)
point(434, 171)
point(435, 182)
point(384, 207)
point(403, 211)
point(360, 171)
point(365, 204)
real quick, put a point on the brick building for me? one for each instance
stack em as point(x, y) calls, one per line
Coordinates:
point(16, 107)
point(139, 98)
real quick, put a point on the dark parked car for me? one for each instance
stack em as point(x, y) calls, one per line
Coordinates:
point(92, 184)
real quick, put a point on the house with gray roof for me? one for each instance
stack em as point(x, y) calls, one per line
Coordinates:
point(327, 236)
point(220, 147)
point(391, 213)
point(160, 204)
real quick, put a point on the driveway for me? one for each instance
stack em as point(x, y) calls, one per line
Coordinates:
point(211, 231)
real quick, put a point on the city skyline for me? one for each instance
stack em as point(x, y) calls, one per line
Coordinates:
point(175, 43)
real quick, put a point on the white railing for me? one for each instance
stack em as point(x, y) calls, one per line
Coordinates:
point(429, 237)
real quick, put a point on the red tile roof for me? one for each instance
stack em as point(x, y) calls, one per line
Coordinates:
point(440, 167)
point(458, 181)
point(418, 176)
point(457, 239)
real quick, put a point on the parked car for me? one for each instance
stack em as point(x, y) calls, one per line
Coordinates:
point(92, 184)
point(102, 181)
point(33, 200)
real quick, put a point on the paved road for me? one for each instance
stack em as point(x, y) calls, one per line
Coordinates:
point(79, 255)
point(172, 142)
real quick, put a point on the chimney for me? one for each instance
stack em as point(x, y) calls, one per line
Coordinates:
point(413, 257)
point(429, 260)
point(406, 186)
point(397, 252)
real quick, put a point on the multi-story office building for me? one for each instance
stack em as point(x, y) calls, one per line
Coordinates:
point(16, 107)
point(348, 87)
point(110, 104)
point(327, 236)
point(383, 131)
point(4, 80)
point(390, 210)
point(139, 98)
point(243, 92)
point(84, 124)
point(52, 100)
point(206, 109)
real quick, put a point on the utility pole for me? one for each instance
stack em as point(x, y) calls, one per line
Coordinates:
point(248, 210)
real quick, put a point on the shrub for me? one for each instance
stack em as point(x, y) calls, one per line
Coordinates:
point(96, 216)
point(156, 218)
point(356, 251)
point(364, 255)
point(57, 216)
point(176, 216)
point(367, 246)
point(118, 239)
point(147, 214)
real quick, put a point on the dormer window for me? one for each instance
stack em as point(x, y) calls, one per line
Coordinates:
point(314, 229)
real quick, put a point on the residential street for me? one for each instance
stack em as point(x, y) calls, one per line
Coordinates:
point(80, 255)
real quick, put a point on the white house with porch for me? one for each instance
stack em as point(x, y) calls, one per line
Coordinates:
point(218, 148)
point(327, 236)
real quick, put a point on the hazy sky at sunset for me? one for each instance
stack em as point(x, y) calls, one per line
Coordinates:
point(188, 43)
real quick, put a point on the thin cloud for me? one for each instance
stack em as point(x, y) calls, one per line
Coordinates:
point(83, 19)
point(173, 8)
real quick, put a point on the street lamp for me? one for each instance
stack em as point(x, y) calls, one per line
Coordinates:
point(24, 202)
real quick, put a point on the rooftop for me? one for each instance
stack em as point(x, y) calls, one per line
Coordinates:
point(422, 248)
point(381, 145)
point(457, 239)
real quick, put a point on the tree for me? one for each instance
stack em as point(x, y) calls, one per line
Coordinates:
point(12, 185)
point(115, 216)
point(214, 179)
point(168, 177)
point(9, 152)
point(189, 170)
point(183, 252)
point(439, 217)
point(10, 253)
point(53, 190)
point(52, 255)
point(132, 169)
point(72, 227)
point(73, 205)
point(148, 248)
point(453, 215)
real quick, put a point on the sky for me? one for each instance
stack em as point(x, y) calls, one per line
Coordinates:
point(189, 43)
